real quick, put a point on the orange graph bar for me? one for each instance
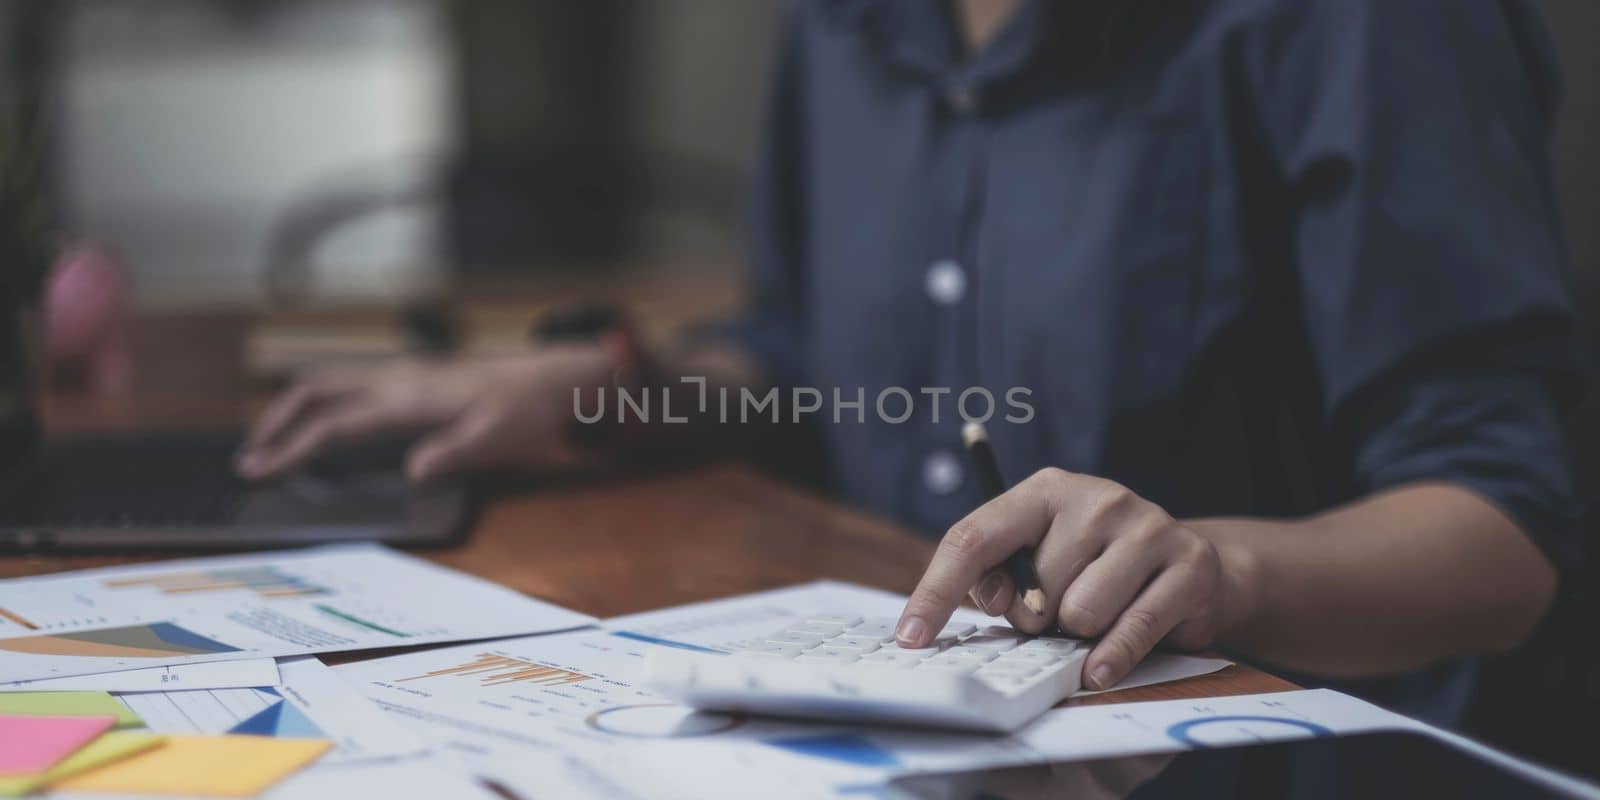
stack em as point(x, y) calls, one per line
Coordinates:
point(295, 592)
point(18, 619)
point(218, 586)
point(496, 670)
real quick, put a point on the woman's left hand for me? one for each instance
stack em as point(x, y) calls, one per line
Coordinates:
point(1112, 565)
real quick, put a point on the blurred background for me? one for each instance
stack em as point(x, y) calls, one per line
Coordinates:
point(358, 147)
point(230, 149)
point(289, 154)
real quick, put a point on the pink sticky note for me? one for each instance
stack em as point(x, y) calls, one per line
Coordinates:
point(34, 744)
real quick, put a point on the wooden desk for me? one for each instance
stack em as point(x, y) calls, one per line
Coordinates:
point(603, 548)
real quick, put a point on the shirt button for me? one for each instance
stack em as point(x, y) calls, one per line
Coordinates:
point(946, 282)
point(961, 99)
point(941, 472)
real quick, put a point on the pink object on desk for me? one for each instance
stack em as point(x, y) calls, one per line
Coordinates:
point(86, 301)
point(35, 744)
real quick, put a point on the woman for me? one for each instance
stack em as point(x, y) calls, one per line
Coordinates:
point(1281, 282)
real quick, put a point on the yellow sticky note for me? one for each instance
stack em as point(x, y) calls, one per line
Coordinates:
point(69, 704)
point(104, 750)
point(227, 766)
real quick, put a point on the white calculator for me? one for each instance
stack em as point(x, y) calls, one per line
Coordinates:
point(849, 668)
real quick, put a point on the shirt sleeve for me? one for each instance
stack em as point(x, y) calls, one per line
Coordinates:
point(1411, 138)
point(772, 328)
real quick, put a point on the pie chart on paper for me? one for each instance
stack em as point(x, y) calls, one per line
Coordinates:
point(154, 640)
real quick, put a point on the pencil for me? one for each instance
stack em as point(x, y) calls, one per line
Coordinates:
point(1020, 564)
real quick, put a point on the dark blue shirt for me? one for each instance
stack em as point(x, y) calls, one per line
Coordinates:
point(1250, 257)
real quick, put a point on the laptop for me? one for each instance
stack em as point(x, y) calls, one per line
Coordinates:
point(176, 490)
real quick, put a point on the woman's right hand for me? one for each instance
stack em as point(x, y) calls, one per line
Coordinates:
point(503, 413)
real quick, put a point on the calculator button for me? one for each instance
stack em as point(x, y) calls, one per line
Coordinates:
point(892, 657)
point(887, 663)
point(1062, 646)
point(762, 650)
point(956, 630)
point(1025, 654)
point(840, 620)
point(823, 629)
point(954, 666)
point(882, 638)
point(834, 657)
point(987, 642)
point(880, 627)
point(1008, 668)
point(790, 637)
point(829, 651)
point(1002, 630)
point(970, 653)
point(864, 644)
point(918, 651)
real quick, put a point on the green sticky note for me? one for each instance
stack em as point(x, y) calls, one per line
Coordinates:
point(69, 704)
point(111, 747)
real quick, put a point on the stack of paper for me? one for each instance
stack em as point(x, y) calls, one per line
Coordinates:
point(213, 692)
point(198, 678)
point(564, 710)
point(234, 608)
point(203, 675)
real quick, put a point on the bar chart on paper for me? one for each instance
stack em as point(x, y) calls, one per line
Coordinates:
point(265, 581)
point(252, 606)
point(535, 691)
point(65, 603)
point(493, 670)
point(509, 700)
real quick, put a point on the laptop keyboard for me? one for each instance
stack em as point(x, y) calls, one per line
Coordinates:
point(174, 480)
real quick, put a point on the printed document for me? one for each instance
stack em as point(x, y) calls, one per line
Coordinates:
point(237, 607)
point(570, 701)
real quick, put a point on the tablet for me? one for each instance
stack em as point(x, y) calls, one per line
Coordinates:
point(1375, 765)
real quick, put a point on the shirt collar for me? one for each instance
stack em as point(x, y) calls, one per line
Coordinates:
point(920, 36)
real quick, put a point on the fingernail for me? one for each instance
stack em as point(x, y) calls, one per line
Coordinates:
point(911, 630)
point(989, 592)
point(1100, 678)
point(249, 462)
